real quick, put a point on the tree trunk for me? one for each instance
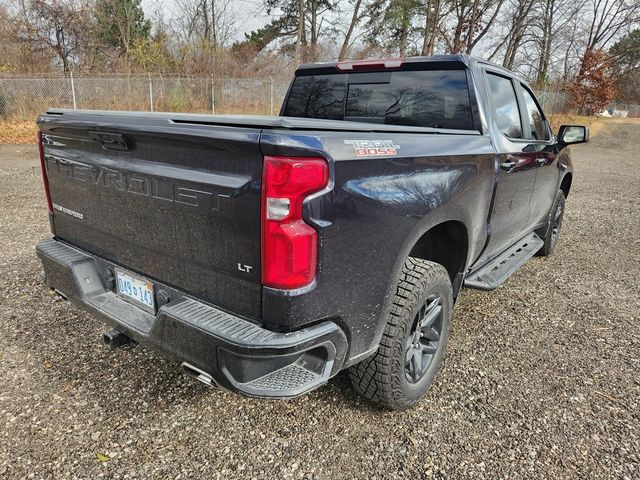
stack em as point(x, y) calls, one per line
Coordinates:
point(352, 26)
point(214, 26)
point(404, 37)
point(205, 18)
point(545, 42)
point(301, 33)
point(456, 46)
point(432, 21)
point(516, 34)
point(214, 34)
point(314, 27)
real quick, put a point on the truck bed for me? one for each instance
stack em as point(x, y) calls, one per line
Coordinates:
point(248, 121)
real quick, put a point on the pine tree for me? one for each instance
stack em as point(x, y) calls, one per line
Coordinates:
point(122, 24)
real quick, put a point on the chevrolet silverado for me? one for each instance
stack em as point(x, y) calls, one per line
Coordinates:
point(267, 254)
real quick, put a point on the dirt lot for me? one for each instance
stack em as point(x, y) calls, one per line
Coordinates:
point(540, 379)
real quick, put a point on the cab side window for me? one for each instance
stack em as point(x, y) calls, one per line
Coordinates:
point(505, 105)
point(536, 119)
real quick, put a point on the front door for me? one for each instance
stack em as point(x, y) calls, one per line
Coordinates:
point(542, 144)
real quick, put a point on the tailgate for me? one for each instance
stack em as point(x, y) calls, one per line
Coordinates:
point(172, 200)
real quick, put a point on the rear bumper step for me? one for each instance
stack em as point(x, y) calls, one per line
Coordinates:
point(235, 353)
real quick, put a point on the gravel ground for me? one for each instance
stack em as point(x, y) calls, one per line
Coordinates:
point(540, 378)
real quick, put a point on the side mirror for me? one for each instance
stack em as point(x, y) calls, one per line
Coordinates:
point(572, 134)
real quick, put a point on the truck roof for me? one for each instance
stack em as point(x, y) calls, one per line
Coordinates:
point(433, 61)
point(458, 58)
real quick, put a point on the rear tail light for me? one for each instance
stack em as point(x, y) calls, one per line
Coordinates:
point(289, 245)
point(43, 171)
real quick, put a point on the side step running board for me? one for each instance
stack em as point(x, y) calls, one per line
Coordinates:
point(492, 274)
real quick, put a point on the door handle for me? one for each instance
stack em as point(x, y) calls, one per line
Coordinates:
point(508, 165)
point(541, 161)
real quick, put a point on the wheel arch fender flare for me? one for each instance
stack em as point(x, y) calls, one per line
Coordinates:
point(425, 225)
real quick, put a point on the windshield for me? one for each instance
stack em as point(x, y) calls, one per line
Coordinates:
point(438, 99)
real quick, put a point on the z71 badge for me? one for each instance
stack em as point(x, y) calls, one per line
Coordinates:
point(373, 148)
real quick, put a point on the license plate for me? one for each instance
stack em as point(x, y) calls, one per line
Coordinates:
point(136, 290)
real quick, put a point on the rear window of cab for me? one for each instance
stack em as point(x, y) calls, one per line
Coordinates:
point(431, 98)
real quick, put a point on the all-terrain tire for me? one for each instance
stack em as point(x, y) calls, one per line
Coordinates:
point(551, 231)
point(383, 378)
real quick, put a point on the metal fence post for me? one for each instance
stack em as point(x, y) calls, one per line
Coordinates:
point(73, 90)
point(150, 93)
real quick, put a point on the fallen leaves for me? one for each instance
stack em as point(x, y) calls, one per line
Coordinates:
point(102, 457)
point(18, 132)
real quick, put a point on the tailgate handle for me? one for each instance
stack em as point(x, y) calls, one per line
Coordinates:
point(112, 141)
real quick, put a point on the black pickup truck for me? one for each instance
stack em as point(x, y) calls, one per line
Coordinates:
point(267, 254)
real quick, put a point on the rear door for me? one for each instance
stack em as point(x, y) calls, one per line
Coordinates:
point(172, 200)
point(516, 166)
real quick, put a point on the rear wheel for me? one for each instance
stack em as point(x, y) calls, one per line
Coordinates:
point(551, 231)
point(414, 339)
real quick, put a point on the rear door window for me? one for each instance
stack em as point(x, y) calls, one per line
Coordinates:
point(505, 105)
point(435, 98)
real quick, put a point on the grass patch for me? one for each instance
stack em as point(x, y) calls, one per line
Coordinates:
point(17, 132)
point(571, 119)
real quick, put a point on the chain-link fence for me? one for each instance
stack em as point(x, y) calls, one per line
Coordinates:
point(24, 97)
point(623, 109)
point(552, 103)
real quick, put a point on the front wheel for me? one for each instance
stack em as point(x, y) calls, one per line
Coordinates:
point(551, 231)
point(414, 338)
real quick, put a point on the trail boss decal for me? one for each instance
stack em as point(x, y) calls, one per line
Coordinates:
point(373, 148)
point(68, 211)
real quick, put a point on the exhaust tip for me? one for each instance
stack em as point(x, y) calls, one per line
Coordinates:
point(198, 374)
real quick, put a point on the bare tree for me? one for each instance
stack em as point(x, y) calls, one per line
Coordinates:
point(52, 27)
point(610, 18)
point(205, 28)
point(553, 34)
point(471, 22)
point(356, 17)
point(210, 20)
point(519, 23)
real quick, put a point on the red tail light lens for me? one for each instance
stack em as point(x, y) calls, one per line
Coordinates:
point(43, 171)
point(289, 245)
